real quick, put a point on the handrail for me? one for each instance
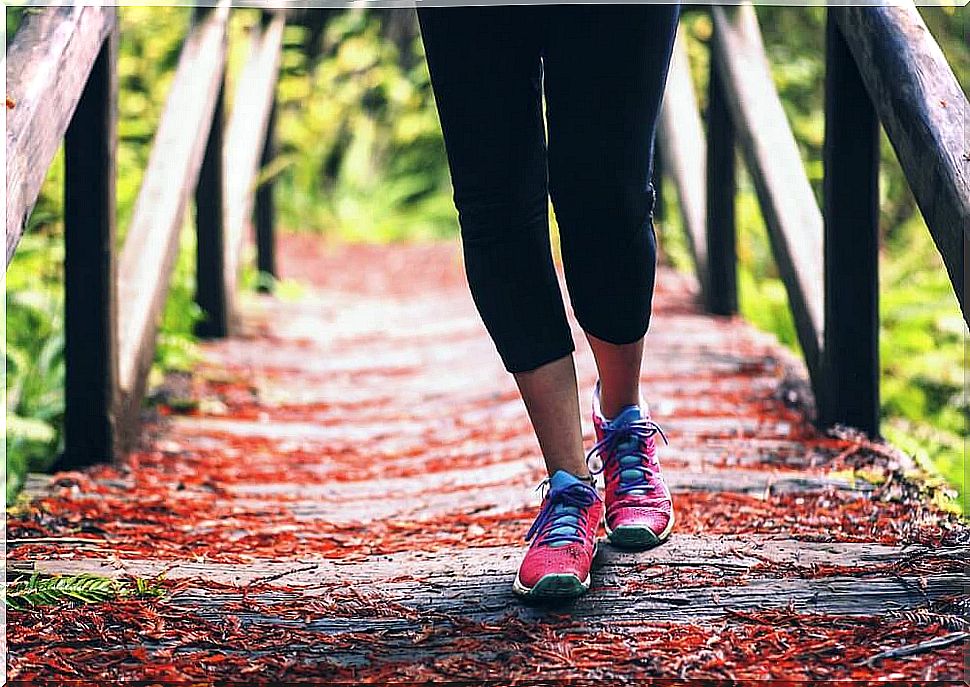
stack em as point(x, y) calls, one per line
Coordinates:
point(48, 63)
point(790, 211)
point(148, 257)
point(925, 114)
point(62, 65)
point(248, 127)
point(879, 60)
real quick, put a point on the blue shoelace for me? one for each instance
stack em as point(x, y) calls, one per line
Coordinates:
point(624, 443)
point(559, 521)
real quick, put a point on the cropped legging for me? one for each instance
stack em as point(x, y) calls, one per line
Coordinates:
point(602, 69)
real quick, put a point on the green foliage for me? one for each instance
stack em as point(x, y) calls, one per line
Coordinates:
point(361, 151)
point(175, 347)
point(922, 347)
point(42, 590)
point(49, 591)
point(34, 356)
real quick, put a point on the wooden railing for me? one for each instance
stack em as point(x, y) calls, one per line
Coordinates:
point(61, 74)
point(882, 65)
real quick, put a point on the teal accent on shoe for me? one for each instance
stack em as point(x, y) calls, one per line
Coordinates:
point(556, 586)
point(627, 452)
point(633, 537)
point(558, 523)
point(626, 416)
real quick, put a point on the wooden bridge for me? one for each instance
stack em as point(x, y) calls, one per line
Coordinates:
point(340, 489)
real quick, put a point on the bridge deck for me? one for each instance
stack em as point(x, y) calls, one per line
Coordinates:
point(341, 494)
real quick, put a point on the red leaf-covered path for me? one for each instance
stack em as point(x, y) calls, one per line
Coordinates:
point(340, 494)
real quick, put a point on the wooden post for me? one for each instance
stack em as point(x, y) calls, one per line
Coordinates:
point(722, 291)
point(850, 357)
point(211, 292)
point(90, 285)
point(265, 206)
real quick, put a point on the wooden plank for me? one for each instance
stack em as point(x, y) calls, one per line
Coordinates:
point(312, 505)
point(90, 275)
point(152, 243)
point(511, 482)
point(680, 137)
point(401, 431)
point(732, 555)
point(849, 392)
point(492, 489)
point(246, 132)
point(925, 113)
point(773, 161)
point(722, 293)
point(47, 65)
point(480, 598)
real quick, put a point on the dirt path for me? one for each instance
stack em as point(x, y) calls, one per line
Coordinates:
point(341, 494)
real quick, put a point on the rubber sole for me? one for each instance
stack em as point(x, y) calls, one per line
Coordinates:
point(554, 585)
point(635, 537)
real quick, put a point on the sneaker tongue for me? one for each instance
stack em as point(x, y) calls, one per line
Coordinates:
point(563, 479)
point(567, 516)
point(629, 459)
point(626, 416)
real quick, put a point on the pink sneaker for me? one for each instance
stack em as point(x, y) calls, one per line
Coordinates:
point(563, 540)
point(639, 508)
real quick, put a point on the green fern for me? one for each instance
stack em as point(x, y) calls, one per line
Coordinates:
point(40, 590)
point(47, 590)
point(147, 588)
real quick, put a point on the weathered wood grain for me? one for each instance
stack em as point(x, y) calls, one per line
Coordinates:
point(292, 493)
point(925, 113)
point(494, 482)
point(477, 598)
point(152, 242)
point(47, 65)
point(731, 555)
point(407, 429)
point(491, 489)
point(308, 504)
point(787, 202)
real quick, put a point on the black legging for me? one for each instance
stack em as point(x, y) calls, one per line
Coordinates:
point(603, 70)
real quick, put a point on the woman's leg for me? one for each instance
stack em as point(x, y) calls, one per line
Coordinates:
point(619, 373)
point(606, 67)
point(552, 399)
point(486, 73)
